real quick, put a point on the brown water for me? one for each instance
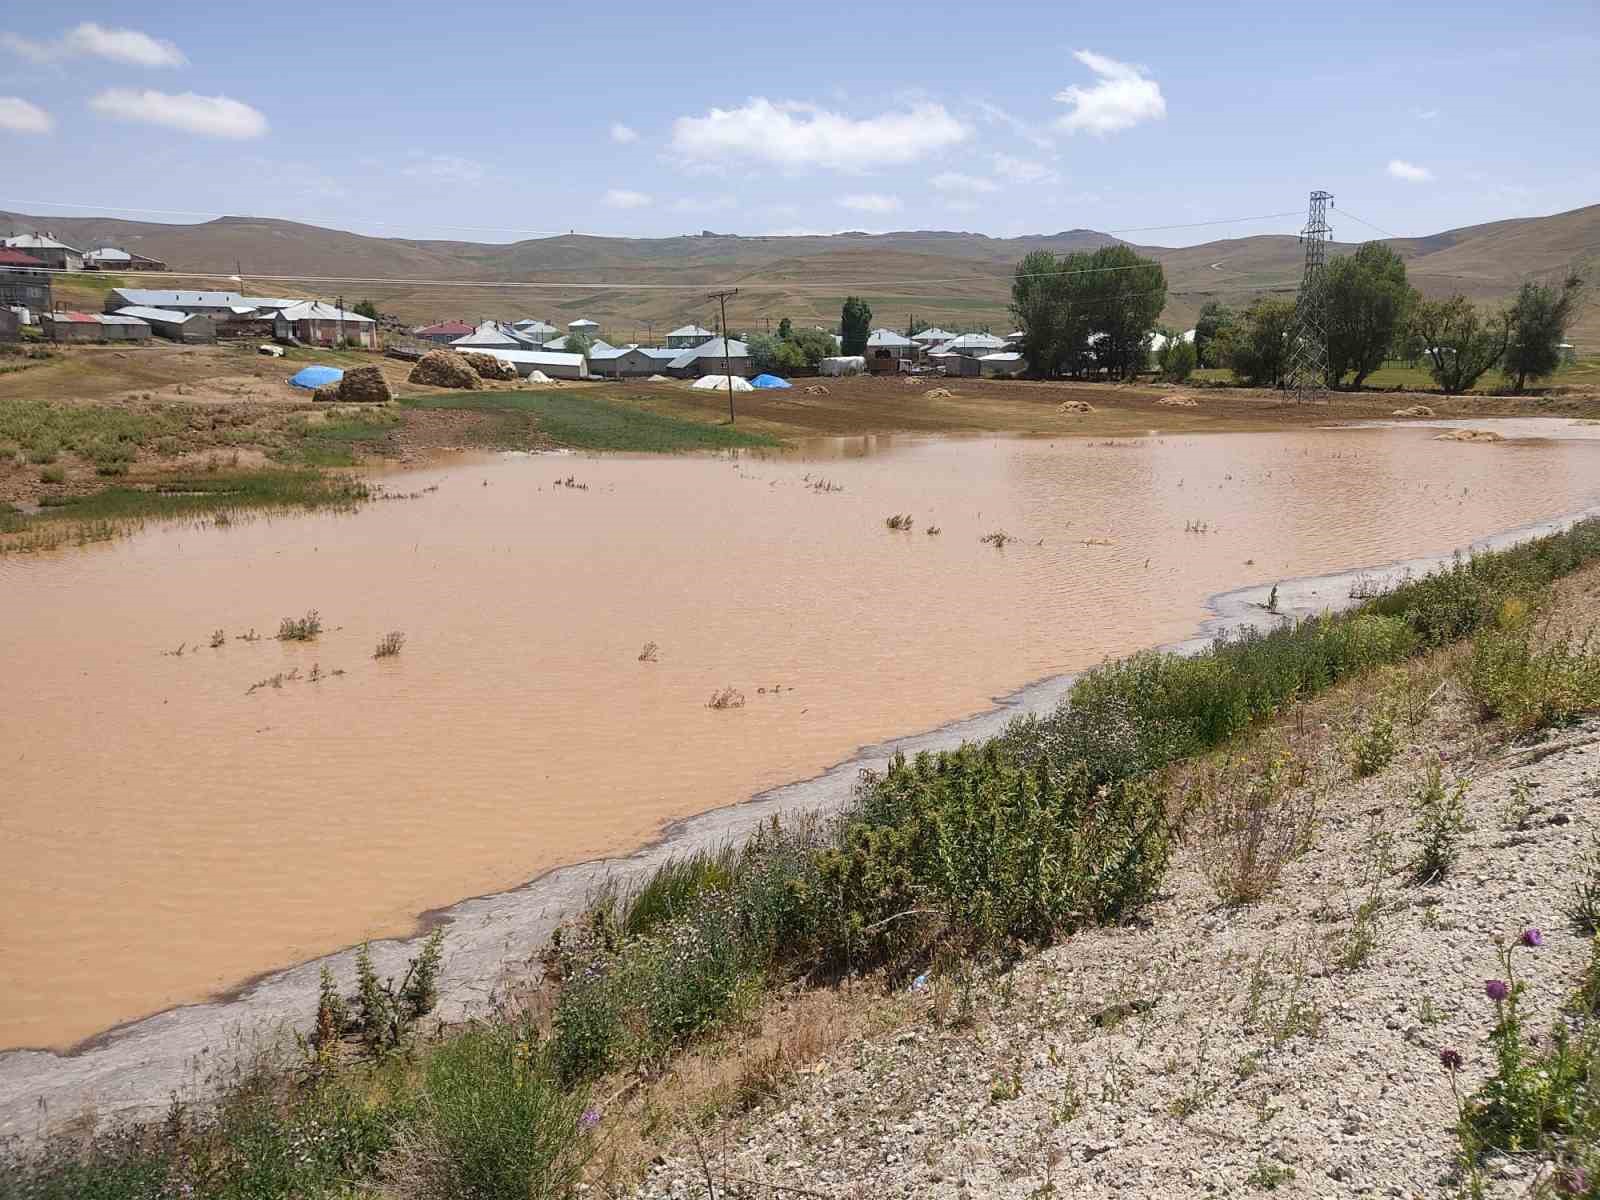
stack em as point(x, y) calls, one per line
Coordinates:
point(164, 834)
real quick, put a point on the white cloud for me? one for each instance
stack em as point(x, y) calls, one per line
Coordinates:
point(443, 168)
point(623, 134)
point(969, 185)
point(89, 40)
point(1123, 97)
point(1023, 170)
point(1425, 114)
point(996, 115)
point(18, 116)
point(1400, 169)
point(623, 198)
point(213, 116)
point(871, 202)
point(795, 135)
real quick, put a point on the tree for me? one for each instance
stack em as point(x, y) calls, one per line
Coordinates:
point(855, 324)
point(1214, 320)
point(579, 343)
point(1176, 359)
point(789, 359)
point(1460, 342)
point(366, 308)
point(1540, 316)
point(763, 351)
point(785, 329)
point(1039, 307)
point(1368, 301)
point(1256, 347)
point(814, 345)
point(1121, 294)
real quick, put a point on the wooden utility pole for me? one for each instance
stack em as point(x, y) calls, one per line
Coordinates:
point(722, 299)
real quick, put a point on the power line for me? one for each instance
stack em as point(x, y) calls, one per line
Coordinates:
point(1363, 221)
point(1202, 224)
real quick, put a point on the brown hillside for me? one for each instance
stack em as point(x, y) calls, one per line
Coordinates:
point(954, 279)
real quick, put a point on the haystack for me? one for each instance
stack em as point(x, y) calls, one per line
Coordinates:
point(1416, 410)
point(364, 385)
point(658, 379)
point(1179, 402)
point(488, 366)
point(1469, 435)
point(818, 389)
point(1075, 406)
point(328, 393)
point(939, 394)
point(443, 368)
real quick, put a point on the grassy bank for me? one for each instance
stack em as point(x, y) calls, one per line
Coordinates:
point(939, 864)
point(569, 417)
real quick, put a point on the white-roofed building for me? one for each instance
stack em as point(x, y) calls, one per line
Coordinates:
point(973, 345)
point(185, 300)
point(707, 359)
point(317, 324)
point(886, 350)
point(114, 258)
point(1006, 362)
point(554, 366)
point(932, 337)
point(491, 335)
point(622, 362)
point(584, 325)
point(537, 332)
point(686, 336)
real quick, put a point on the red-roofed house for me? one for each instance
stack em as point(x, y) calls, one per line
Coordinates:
point(444, 332)
point(24, 281)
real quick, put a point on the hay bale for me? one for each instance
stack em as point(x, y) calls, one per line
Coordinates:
point(1416, 410)
point(488, 366)
point(1469, 435)
point(365, 385)
point(658, 379)
point(328, 393)
point(940, 393)
point(443, 368)
point(1179, 402)
point(1074, 406)
point(818, 389)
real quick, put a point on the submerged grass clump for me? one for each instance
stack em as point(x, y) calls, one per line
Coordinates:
point(300, 629)
point(390, 644)
point(901, 522)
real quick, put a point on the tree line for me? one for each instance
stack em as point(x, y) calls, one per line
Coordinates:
point(1094, 313)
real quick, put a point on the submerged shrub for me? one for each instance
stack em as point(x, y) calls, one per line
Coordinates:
point(300, 629)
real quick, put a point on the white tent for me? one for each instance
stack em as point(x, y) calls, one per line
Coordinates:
point(710, 383)
point(848, 364)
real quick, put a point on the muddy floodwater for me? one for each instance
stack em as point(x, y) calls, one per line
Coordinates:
point(166, 832)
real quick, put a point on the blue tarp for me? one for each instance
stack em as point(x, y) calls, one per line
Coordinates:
point(314, 376)
point(769, 381)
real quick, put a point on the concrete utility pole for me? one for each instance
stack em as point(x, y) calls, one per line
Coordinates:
point(727, 374)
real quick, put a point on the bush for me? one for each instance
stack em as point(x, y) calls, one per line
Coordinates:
point(1533, 683)
point(497, 1124)
point(1176, 359)
point(1253, 819)
point(1441, 815)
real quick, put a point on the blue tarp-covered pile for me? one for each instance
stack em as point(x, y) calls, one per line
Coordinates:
point(314, 376)
point(769, 381)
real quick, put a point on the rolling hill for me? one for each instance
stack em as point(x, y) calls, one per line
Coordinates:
point(958, 280)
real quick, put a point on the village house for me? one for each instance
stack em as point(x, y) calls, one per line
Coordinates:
point(707, 359)
point(317, 324)
point(688, 336)
point(973, 345)
point(113, 258)
point(442, 333)
point(58, 256)
point(191, 329)
point(24, 282)
point(886, 350)
point(584, 325)
point(929, 338)
point(536, 332)
point(622, 362)
point(224, 306)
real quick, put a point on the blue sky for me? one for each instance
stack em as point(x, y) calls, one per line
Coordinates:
point(490, 123)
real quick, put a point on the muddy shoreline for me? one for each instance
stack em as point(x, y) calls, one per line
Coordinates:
point(137, 1068)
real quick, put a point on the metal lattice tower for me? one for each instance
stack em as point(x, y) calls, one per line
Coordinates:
point(1308, 354)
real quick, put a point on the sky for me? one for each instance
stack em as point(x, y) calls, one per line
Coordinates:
point(495, 124)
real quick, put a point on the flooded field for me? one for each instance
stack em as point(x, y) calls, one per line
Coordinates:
point(168, 828)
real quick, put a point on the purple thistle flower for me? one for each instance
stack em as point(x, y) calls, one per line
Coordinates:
point(1496, 989)
point(1574, 1181)
point(590, 1118)
point(1532, 936)
point(1450, 1059)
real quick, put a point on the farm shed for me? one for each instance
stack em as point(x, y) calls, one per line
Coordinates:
point(554, 366)
point(536, 332)
point(192, 329)
point(848, 364)
point(319, 324)
point(973, 345)
point(932, 337)
point(443, 333)
point(952, 363)
point(58, 256)
point(1004, 363)
point(584, 325)
point(222, 305)
point(94, 327)
point(24, 280)
point(621, 362)
point(886, 350)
